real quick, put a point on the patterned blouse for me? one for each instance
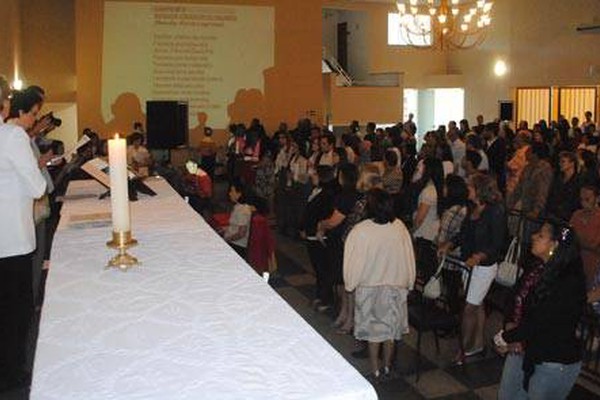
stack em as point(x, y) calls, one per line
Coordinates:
point(451, 223)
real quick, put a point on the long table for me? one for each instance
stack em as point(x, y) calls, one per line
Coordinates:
point(194, 321)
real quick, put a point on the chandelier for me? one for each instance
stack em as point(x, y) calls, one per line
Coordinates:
point(444, 24)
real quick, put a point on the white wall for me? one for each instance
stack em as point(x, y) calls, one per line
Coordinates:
point(68, 132)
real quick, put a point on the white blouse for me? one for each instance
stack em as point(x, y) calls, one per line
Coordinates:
point(21, 181)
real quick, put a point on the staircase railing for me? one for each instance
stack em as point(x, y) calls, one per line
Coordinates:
point(345, 78)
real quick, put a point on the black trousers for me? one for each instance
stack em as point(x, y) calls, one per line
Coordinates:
point(16, 315)
point(318, 258)
point(426, 257)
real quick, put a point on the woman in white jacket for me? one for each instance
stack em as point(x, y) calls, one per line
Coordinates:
point(379, 265)
point(21, 181)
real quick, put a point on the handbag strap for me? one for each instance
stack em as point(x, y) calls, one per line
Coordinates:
point(440, 267)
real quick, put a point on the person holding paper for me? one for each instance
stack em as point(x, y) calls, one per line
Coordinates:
point(21, 181)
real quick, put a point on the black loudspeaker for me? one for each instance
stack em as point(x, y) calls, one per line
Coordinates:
point(167, 124)
point(507, 109)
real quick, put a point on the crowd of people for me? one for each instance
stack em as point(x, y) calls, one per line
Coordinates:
point(377, 211)
point(377, 216)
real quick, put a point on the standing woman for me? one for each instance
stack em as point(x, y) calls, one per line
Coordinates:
point(426, 217)
point(482, 239)
point(379, 265)
point(21, 181)
point(334, 226)
point(545, 353)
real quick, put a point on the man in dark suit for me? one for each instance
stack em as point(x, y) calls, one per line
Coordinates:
point(495, 149)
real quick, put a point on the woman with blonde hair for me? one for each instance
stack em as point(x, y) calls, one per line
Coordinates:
point(369, 178)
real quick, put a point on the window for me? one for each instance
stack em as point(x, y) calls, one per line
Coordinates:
point(533, 105)
point(449, 105)
point(400, 36)
point(574, 102)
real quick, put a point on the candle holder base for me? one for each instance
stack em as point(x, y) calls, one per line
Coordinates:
point(123, 261)
point(120, 239)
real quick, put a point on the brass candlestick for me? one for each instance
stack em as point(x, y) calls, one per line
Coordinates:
point(122, 241)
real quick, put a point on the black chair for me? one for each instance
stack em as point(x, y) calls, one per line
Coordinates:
point(444, 313)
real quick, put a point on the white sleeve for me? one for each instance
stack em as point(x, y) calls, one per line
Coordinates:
point(354, 259)
point(26, 166)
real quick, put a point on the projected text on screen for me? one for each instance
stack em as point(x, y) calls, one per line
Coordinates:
point(202, 54)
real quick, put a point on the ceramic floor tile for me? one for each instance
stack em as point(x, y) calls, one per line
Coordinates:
point(436, 383)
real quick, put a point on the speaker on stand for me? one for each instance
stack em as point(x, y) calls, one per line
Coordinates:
point(167, 125)
point(507, 108)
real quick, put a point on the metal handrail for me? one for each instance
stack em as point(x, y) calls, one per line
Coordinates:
point(333, 62)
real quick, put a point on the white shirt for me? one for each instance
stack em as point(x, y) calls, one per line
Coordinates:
point(241, 215)
point(21, 181)
point(459, 149)
point(430, 227)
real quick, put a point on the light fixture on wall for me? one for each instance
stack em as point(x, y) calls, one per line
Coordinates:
point(444, 24)
point(500, 68)
point(17, 84)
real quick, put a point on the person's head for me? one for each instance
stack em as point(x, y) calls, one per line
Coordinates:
point(455, 191)
point(136, 139)
point(237, 192)
point(522, 139)
point(474, 143)
point(4, 97)
point(483, 190)
point(451, 125)
point(574, 122)
point(283, 127)
point(538, 136)
point(38, 91)
point(327, 142)
point(380, 206)
point(294, 148)
point(567, 162)
point(433, 171)
point(589, 196)
point(411, 116)
point(555, 242)
point(369, 178)
point(284, 140)
point(340, 156)
point(324, 176)
point(464, 125)
point(391, 158)
point(490, 131)
point(537, 151)
point(371, 127)
point(480, 120)
point(348, 176)
point(137, 126)
point(523, 126)
point(315, 145)
point(588, 116)
point(24, 108)
point(471, 162)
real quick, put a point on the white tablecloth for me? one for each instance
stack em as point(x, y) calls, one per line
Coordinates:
point(194, 321)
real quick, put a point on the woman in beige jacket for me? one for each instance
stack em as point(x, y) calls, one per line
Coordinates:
point(379, 265)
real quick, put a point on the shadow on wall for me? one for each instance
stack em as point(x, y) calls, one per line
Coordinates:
point(197, 132)
point(126, 110)
point(248, 104)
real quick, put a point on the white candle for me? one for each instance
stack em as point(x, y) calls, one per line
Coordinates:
point(119, 194)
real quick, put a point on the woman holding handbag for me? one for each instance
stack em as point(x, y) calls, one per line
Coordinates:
point(481, 239)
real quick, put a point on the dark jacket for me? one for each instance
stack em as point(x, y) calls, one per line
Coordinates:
point(486, 235)
point(548, 329)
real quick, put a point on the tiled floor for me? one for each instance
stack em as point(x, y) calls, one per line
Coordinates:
point(478, 379)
